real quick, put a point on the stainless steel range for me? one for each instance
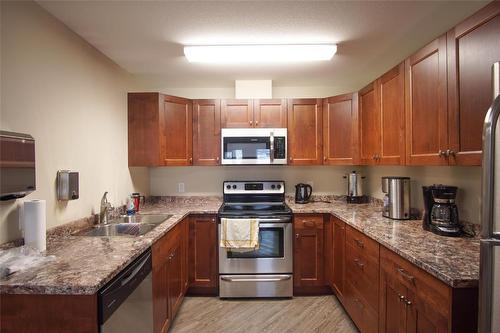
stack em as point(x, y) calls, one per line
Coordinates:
point(266, 271)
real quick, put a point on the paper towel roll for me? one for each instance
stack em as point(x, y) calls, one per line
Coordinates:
point(34, 224)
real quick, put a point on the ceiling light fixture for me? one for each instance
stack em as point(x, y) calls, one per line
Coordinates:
point(259, 53)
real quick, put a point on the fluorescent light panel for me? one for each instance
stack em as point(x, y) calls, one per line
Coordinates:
point(259, 53)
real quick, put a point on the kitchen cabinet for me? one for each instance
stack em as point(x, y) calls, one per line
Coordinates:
point(206, 132)
point(203, 248)
point(328, 251)
point(473, 46)
point(340, 130)
point(369, 125)
point(159, 130)
point(338, 276)
point(308, 268)
point(263, 113)
point(237, 113)
point(390, 94)
point(305, 138)
point(169, 276)
point(426, 105)
point(270, 113)
point(361, 296)
point(412, 300)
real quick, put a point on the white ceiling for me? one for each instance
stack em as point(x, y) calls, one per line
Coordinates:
point(146, 37)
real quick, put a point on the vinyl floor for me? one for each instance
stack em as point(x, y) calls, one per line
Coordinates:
point(299, 314)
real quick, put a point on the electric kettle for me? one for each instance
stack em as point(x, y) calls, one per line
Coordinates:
point(303, 193)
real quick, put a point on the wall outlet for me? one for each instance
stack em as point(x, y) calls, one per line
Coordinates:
point(181, 187)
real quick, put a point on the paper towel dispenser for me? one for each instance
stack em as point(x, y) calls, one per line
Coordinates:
point(17, 165)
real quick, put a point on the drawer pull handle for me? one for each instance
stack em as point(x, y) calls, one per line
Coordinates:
point(401, 298)
point(406, 276)
point(359, 263)
point(358, 302)
point(309, 224)
point(359, 242)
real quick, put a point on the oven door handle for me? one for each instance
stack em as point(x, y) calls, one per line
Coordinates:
point(276, 220)
point(271, 147)
point(274, 279)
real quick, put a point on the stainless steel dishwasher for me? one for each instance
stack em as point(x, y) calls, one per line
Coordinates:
point(125, 304)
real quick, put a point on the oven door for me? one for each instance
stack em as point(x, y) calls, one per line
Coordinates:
point(274, 254)
point(253, 146)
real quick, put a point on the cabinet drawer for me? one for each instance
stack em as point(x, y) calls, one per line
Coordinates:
point(427, 289)
point(162, 247)
point(363, 274)
point(366, 247)
point(363, 315)
point(308, 221)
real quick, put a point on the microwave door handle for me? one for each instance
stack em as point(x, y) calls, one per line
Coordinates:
point(271, 147)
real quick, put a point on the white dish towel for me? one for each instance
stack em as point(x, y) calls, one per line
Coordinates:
point(239, 233)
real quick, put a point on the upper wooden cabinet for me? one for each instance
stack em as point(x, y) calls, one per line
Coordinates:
point(237, 113)
point(369, 124)
point(426, 105)
point(159, 130)
point(382, 114)
point(340, 130)
point(305, 139)
point(270, 113)
point(177, 131)
point(245, 113)
point(391, 95)
point(206, 132)
point(473, 46)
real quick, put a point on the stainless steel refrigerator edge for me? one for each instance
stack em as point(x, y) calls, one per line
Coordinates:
point(489, 276)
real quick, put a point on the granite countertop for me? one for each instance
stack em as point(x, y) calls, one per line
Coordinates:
point(84, 264)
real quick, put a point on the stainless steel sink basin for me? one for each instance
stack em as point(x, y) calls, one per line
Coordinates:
point(119, 229)
point(126, 226)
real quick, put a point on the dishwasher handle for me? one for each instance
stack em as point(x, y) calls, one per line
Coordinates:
point(115, 292)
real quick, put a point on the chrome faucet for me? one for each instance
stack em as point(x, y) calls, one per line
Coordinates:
point(105, 209)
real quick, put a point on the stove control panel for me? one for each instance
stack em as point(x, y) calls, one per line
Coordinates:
point(265, 187)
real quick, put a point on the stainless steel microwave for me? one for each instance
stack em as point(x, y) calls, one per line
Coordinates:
point(242, 146)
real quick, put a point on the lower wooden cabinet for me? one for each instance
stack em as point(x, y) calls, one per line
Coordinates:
point(203, 273)
point(169, 275)
point(338, 276)
point(308, 254)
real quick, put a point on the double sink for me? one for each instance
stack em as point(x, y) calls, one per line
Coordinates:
point(136, 225)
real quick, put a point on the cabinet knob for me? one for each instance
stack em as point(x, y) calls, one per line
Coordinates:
point(325, 158)
point(256, 122)
point(297, 236)
point(291, 158)
point(191, 160)
point(213, 220)
point(217, 159)
point(250, 122)
point(359, 242)
point(441, 153)
point(449, 153)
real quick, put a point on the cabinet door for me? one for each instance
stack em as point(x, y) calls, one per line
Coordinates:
point(340, 129)
point(392, 112)
point(426, 105)
point(270, 113)
point(161, 312)
point(174, 277)
point(328, 251)
point(308, 251)
point(177, 129)
point(206, 132)
point(203, 275)
point(392, 313)
point(421, 316)
point(185, 255)
point(237, 113)
point(144, 129)
point(369, 125)
point(305, 146)
point(473, 47)
point(338, 256)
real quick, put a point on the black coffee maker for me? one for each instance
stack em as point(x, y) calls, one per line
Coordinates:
point(441, 212)
point(303, 193)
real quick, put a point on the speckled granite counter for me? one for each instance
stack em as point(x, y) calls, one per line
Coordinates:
point(454, 261)
point(84, 264)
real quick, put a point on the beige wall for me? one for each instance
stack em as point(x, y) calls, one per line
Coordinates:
point(72, 99)
point(468, 180)
point(208, 180)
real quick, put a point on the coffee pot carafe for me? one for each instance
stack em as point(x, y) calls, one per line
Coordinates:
point(441, 212)
point(355, 188)
point(302, 193)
